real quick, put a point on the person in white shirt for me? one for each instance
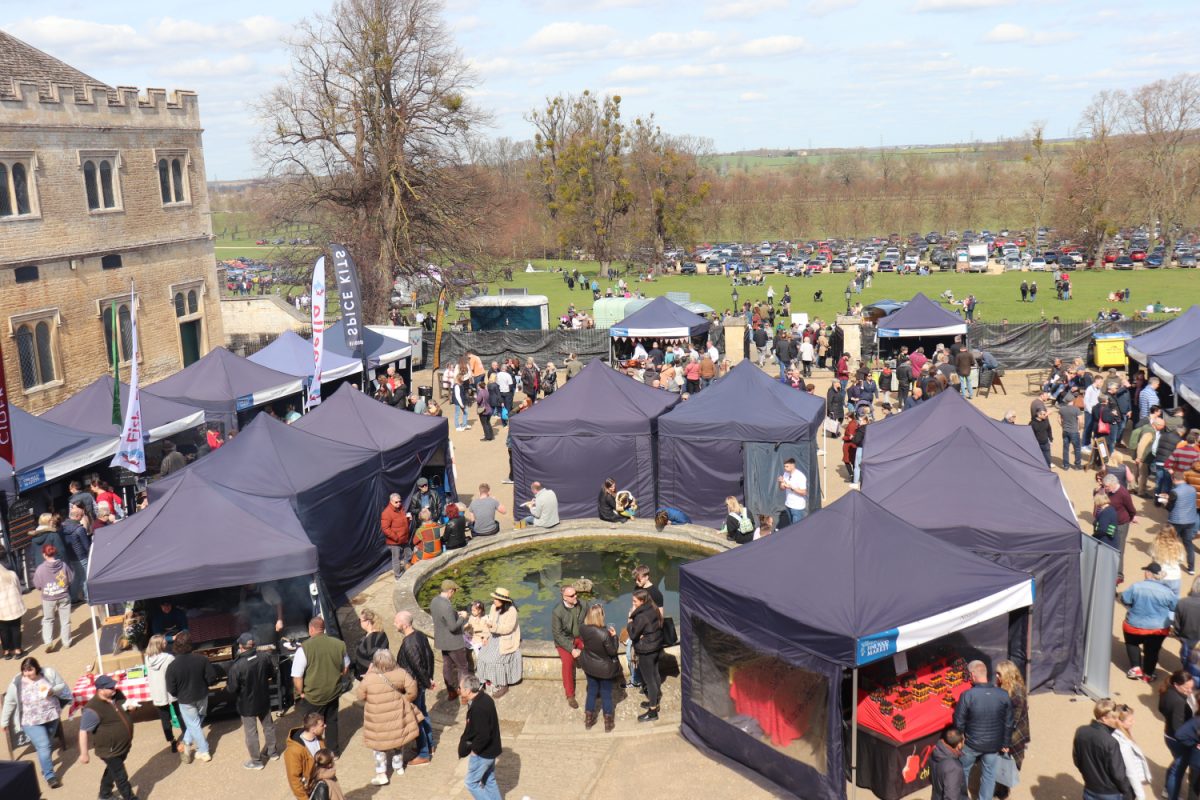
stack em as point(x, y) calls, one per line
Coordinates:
point(639, 352)
point(807, 356)
point(714, 353)
point(795, 484)
point(1090, 398)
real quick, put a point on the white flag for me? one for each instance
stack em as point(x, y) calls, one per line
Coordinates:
point(131, 450)
point(318, 333)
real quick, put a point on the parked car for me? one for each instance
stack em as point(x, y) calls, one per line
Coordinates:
point(1153, 261)
point(687, 268)
point(1137, 255)
point(1037, 264)
point(1188, 260)
point(1123, 262)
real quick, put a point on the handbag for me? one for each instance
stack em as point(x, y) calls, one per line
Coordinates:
point(1103, 428)
point(669, 634)
point(832, 426)
point(1007, 772)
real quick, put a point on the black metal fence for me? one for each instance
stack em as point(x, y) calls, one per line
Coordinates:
point(1031, 345)
point(542, 345)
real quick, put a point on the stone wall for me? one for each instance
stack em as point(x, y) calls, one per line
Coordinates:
point(164, 248)
point(256, 315)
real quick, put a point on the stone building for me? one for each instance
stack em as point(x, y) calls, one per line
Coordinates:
point(99, 188)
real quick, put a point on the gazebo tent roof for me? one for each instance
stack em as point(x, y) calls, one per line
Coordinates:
point(90, 409)
point(1183, 330)
point(746, 405)
point(238, 539)
point(222, 384)
point(854, 575)
point(404, 440)
point(599, 424)
point(597, 401)
point(660, 317)
point(334, 487)
point(920, 317)
point(379, 348)
point(46, 450)
point(934, 420)
point(292, 354)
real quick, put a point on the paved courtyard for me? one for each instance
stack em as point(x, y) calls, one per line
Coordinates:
point(547, 753)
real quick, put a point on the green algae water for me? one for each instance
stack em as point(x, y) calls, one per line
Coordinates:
point(534, 573)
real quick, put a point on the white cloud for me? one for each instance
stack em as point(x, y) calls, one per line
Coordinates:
point(819, 8)
point(959, 5)
point(195, 68)
point(773, 46)
point(670, 42)
point(251, 31)
point(699, 71)
point(752, 97)
point(466, 23)
point(743, 9)
point(561, 36)
point(625, 91)
point(636, 72)
point(69, 37)
point(1007, 32)
point(997, 72)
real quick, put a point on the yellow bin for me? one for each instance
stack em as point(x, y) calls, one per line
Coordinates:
point(1110, 349)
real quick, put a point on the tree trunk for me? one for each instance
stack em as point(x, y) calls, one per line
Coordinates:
point(604, 268)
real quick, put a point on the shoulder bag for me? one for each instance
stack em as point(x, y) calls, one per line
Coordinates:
point(669, 634)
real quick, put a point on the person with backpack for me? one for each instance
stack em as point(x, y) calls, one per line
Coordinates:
point(738, 526)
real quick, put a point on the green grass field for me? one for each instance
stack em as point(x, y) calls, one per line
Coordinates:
point(998, 295)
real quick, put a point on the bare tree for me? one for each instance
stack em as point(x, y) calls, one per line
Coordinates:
point(1092, 191)
point(368, 137)
point(670, 183)
point(1165, 115)
point(1039, 158)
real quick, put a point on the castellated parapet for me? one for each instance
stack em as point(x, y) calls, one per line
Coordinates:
point(51, 104)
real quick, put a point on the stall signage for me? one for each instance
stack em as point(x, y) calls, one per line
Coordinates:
point(877, 646)
point(30, 479)
point(244, 402)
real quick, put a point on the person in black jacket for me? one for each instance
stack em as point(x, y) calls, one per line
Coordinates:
point(454, 533)
point(188, 679)
point(946, 773)
point(249, 681)
point(1098, 758)
point(985, 716)
point(599, 663)
point(645, 631)
point(607, 503)
point(480, 739)
point(374, 639)
point(1173, 705)
point(1043, 432)
point(416, 656)
point(1187, 621)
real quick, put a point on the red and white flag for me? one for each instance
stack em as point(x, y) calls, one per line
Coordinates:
point(313, 398)
point(131, 450)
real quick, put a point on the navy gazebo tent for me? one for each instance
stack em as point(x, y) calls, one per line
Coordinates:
point(920, 317)
point(291, 353)
point(996, 504)
point(223, 384)
point(45, 450)
point(378, 349)
point(600, 424)
point(335, 490)
point(1179, 332)
point(842, 589)
point(933, 420)
point(90, 409)
point(407, 443)
point(732, 439)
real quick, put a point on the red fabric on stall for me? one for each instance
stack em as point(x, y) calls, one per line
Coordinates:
point(780, 697)
point(921, 719)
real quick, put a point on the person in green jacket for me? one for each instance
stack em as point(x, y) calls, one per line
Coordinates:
point(317, 671)
point(564, 625)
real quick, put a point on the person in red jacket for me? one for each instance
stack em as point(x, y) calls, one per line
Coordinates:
point(394, 523)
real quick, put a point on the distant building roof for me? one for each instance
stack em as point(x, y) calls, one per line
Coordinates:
point(21, 61)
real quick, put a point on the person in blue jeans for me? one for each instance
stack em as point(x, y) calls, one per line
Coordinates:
point(1182, 514)
point(32, 704)
point(985, 716)
point(480, 742)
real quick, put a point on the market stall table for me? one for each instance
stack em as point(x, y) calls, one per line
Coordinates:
point(135, 689)
point(902, 724)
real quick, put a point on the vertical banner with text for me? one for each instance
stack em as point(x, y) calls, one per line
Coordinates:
point(131, 450)
point(313, 398)
point(6, 440)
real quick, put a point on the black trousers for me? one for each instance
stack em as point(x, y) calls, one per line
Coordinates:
point(10, 634)
point(329, 712)
point(164, 716)
point(115, 775)
point(648, 669)
point(1142, 650)
point(485, 421)
point(455, 667)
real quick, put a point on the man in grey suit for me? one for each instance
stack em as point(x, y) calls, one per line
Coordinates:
point(448, 637)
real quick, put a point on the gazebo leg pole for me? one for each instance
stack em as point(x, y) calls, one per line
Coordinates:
point(854, 735)
point(96, 639)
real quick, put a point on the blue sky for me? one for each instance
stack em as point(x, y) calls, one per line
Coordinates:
point(744, 73)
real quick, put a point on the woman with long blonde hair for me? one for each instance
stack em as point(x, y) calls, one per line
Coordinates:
point(1168, 551)
point(1008, 678)
point(736, 522)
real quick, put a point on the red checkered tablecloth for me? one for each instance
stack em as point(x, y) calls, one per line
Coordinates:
point(136, 691)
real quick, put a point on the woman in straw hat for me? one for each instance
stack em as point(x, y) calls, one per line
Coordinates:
point(498, 664)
